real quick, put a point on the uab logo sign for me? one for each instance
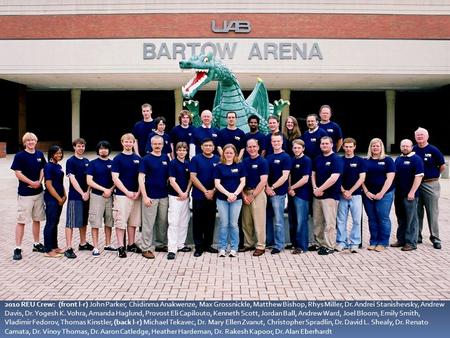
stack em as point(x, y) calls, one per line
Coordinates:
point(237, 26)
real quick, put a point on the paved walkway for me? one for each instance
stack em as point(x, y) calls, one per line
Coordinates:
point(423, 274)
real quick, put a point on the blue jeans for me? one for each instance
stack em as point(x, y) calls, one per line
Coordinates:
point(52, 214)
point(269, 223)
point(278, 202)
point(301, 232)
point(378, 215)
point(292, 219)
point(228, 225)
point(408, 223)
point(354, 205)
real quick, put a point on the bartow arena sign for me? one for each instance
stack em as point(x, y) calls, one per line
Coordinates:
point(267, 50)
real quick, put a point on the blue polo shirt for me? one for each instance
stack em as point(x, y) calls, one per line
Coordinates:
point(432, 160)
point(376, 173)
point(333, 130)
point(78, 168)
point(260, 137)
point(254, 169)
point(156, 170)
point(204, 168)
point(312, 142)
point(236, 137)
point(269, 149)
point(180, 134)
point(324, 166)
point(300, 167)
point(30, 165)
point(407, 168)
point(180, 171)
point(353, 167)
point(201, 133)
point(141, 130)
point(100, 170)
point(230, 177)
point(277, 164)
point(127, 166)
point(167, 149)
point(54, 172)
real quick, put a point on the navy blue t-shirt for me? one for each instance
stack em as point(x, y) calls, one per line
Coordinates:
point(432, 160)
point(167, 149)
point(156, 170)
point(204, 168)
point(277, 164)
point(406, 170)
point(180, 171)
point(254, 169)
point(269, 149)
point(333, 130)
point(236, 137)
point(312, 142)
point(141, 130)
point(230, 178)
point(180, 134)
point(353, 167)
point(100, 170)
point(127, 166)
point(201, 133)
point(78, 168)
point(376, 173)
point(301, 167)
point(54, 172)
point(324, 166)
point(260, 137)
point(30, 165)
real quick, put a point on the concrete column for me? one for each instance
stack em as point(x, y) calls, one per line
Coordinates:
point(76, 98)
point(285, 94)
point(22, 113)
point(390, 120)
point(178, 103)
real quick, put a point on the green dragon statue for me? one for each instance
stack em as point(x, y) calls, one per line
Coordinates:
point(229, 95)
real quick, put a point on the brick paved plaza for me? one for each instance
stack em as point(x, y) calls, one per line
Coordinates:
point(423, 274)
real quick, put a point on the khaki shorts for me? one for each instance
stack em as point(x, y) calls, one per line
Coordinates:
point(100, 211)
point(126, 212)
point(30, 208)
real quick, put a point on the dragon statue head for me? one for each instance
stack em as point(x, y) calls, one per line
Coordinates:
point(206, 69)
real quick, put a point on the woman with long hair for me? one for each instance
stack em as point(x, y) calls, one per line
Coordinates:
point(378, 194)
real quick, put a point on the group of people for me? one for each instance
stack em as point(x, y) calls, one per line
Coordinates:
point(248, 178)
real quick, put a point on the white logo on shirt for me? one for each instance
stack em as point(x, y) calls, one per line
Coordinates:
point(164, 162)
point(254, 166)
point(235, 170)
point(297, 165)
point(39, 159)
point(136, 161)
point(407, 163)
point(108, 166)
point(237, 138)
point(313, 140)
point(327, 164)
point(353, 165)
point(381, 163)
point(330, 130)
point(214, 135)
point(276, 161)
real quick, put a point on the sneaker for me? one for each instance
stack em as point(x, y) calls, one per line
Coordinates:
point(371, 247)
point(185, 249)
point(134, 248)
point(161, 248)
point(148, 254)
point(85, 247)
point(339, 248)
point(109, 248)
point(95, 252)
point(69, 253)
point(17, 254)
point(297, 251)
point(38, 247)
point(325, 251)
point(232, 253)
point(354, 249)
point(171, 255)
point(222, 253)
point(275, 251)
point(121, 252)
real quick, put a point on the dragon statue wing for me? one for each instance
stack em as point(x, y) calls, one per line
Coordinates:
point(259, 100)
